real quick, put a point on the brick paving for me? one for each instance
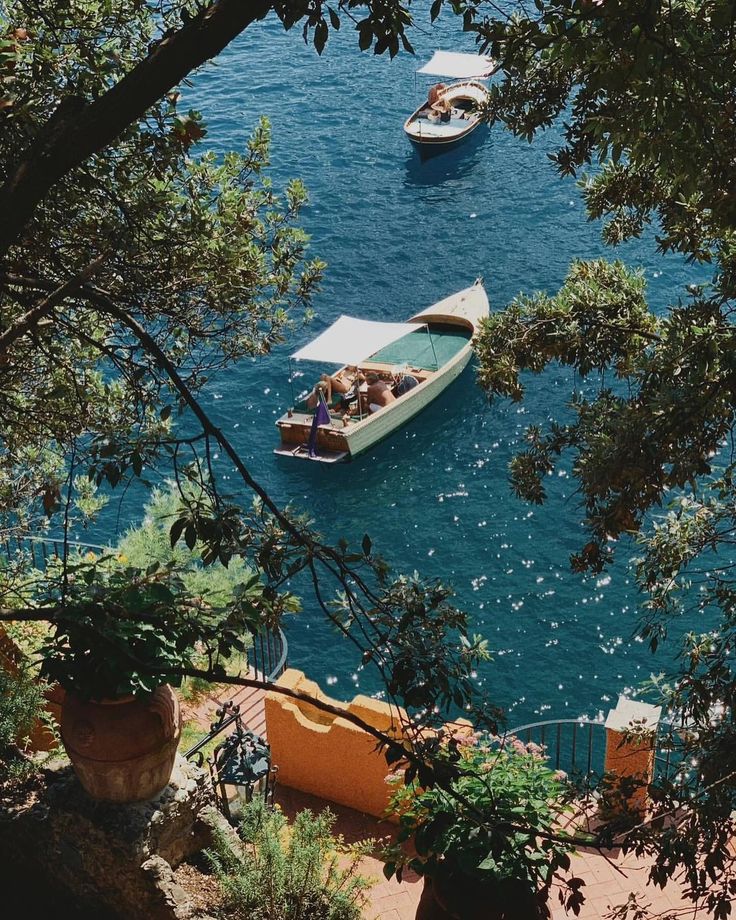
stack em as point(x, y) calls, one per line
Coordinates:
point(608, 881)
point(250, 700)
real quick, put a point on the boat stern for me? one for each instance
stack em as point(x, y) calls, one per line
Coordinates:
point(294, 431)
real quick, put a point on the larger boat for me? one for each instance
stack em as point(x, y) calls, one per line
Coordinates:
point(451, 111)
point(420, 358)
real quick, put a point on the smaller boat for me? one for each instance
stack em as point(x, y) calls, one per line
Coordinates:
point(418, 359)
point(450, 112)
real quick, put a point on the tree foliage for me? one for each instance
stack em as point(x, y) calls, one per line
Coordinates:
point(644, 96)
point(133, 265)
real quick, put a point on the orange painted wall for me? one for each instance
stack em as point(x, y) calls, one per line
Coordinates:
point(326, 755)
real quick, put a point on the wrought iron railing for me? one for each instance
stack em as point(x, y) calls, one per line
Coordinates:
point(267, 656)
point(671, 765)
point(43, 549)
point(239, 766)
point(577, 746)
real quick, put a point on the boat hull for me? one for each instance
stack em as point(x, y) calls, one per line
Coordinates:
point(429, 149)
point(396, 415)
point(337, 442)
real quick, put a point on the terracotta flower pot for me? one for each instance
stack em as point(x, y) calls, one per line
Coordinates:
point(429, 907)
point(122, 750)
point(11, 660)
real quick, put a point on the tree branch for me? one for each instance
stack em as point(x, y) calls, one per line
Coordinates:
point(78, 129)
point(30, 319)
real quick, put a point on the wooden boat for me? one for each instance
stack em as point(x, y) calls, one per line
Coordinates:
point(450, 112)
point(430, 134)
point(433, 347)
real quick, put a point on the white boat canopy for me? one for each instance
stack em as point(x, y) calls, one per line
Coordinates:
point(352, 341)
point(460, 66)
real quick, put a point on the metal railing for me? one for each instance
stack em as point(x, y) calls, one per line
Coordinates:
point(267, 655)
point(672, 765)
point(42, 549)
point(577, 746)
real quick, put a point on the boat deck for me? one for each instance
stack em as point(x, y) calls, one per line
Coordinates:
point(422, 127)
point(434, 353)
point(417, 352)
point(417, 349)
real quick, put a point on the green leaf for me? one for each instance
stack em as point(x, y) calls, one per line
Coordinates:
point(176, 531)
point(321, 33)
point(365, 34)
point(190, 536)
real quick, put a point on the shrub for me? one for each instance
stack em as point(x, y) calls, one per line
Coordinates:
point(297, 872)
point(498, 821)
point(21, 704)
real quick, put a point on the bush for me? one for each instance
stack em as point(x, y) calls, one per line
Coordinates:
point(21, 704)
point(289, 872)
point(499, 820)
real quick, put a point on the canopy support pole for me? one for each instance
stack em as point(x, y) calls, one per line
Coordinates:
point(431, 342)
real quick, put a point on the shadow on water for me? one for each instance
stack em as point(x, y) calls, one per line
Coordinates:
point(449, 165)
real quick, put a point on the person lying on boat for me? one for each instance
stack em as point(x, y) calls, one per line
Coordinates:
point(342, 387)
point(322, 388)
point(378, 393)
point(344, 380)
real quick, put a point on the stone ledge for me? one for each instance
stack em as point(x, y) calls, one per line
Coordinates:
point(115, 859)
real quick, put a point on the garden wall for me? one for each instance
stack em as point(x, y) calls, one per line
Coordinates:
point(328, 756)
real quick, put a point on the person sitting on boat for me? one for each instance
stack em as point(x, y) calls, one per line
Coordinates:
point(378, 395)
point(349, 395)
point(443, 108)
point(322, 388)
point(403, 383)
point(433, 97)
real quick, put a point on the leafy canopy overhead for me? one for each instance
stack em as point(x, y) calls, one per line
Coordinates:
point(132, 265)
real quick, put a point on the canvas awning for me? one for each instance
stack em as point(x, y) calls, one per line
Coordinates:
point(458, 65)
point(352, 341)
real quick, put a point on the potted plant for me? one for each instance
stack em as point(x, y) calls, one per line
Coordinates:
point(487, 837)
point(121, 637)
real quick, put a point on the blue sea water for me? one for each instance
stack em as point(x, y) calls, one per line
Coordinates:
point(397, 235)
